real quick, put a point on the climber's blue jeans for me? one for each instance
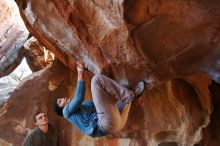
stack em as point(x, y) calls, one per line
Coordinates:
point(106, 92)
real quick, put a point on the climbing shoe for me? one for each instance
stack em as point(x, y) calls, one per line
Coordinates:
point(139, 89)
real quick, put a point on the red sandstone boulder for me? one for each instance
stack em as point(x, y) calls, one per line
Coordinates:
point(175, 111)
point(165, 39)
point(128, 41)
point(13, 34)
point(37, 56)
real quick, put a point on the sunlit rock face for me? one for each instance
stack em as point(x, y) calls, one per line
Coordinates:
point(165, 39)
point(6, 89)
point(9, 83)
point(128, 41)
point(175, 111)
point(38, 57)
point(13, 34)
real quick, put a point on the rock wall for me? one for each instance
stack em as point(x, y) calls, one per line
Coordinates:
point(164, 39)
point(13, 34)
point(211, 135)
point(175, 111)
point(37, 56)
point(172, 43)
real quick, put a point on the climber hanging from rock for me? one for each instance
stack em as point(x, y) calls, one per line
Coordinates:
point(107, 113)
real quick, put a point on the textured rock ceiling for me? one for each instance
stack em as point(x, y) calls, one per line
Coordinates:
point(171, 42)
point(165, 39)
point(36, 54)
